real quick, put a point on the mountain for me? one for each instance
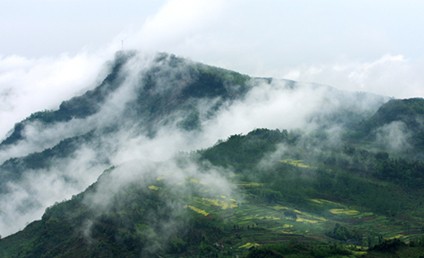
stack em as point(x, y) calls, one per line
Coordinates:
point(284, 203)
point(162, 159)
point(404, 115)
point(132, 100)
point(408, 111)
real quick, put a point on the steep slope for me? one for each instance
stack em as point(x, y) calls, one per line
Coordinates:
point(69, 147)
point(168, 91)
point(144, 90)
point(77, 107)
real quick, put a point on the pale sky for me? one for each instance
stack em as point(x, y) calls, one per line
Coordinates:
point(51, 50)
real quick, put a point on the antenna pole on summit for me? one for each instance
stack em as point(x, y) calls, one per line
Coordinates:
point(122, 45)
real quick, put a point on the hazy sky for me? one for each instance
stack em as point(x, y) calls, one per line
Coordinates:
point(53, 49)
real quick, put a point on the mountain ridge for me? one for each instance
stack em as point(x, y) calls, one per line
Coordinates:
point(157, 114)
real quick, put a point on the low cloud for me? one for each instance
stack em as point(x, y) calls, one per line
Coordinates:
point(279, 105)
point(394, 136)
point(30, 85)
point(190, 28)
point(175, 172)
point(26, 200)
point(38, 136)
point(389, 75)
point(137, 153)
point(177, 181)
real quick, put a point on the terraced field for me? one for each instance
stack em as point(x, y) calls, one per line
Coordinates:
point(246, 222)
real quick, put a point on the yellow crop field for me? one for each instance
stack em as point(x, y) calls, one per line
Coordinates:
point(287, 226)
point(224, 204)
point(269, 218)
point(323, 201)
point(398, 236)
point(295, 163)
point(251, 184)
point(194, 181)
point(197, 210)
point(249, 245)
point(280, 207)
point(344, 212)
point(309, 221)
point(153, 187)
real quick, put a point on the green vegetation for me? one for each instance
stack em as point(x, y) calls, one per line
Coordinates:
point(407, 112)
point(13, 169)
point(77, 107)
point(297, 204)
point(149, 110)
point(296, 194)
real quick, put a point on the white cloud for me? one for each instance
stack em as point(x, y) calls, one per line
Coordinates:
point(176, 24)
point(258, 38)
point(245, 36)
point(27, 199)
point(394, 136)
point(38, 136)
point(271, 105)
point(31, 85)
point(389, 75)
point(300, 44)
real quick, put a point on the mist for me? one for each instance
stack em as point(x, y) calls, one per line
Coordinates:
point(389, 75)
point(122, 140)
point(394, 137)
point(313, 68)
point(28, 85)
point(24, 201)
point(176, 181)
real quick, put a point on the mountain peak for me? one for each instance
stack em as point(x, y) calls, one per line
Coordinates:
point(135, 152)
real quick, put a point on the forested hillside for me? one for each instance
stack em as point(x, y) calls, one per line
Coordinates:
point(171, 158)
point(287, 200)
